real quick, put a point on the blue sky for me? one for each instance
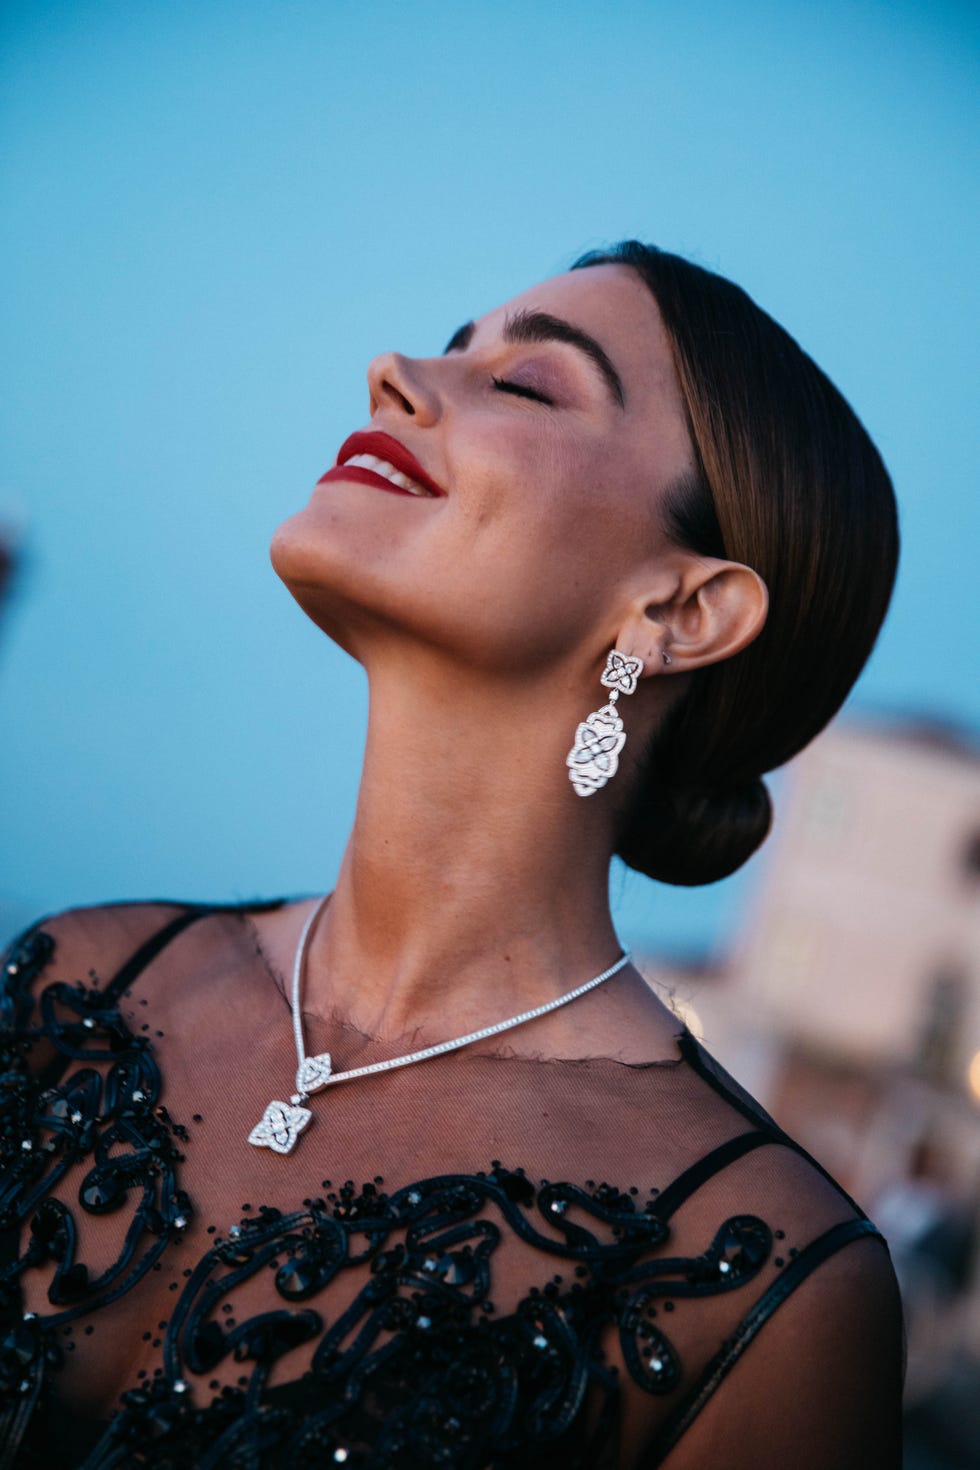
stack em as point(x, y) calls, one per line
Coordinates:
point(217, 213)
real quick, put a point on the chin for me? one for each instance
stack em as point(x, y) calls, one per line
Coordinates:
point(282, 547)
point(302, 558)
point(321, 581)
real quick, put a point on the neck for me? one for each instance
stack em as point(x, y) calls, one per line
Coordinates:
point(475, 882)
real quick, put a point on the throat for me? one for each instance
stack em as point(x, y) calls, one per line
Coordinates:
point(474, 884)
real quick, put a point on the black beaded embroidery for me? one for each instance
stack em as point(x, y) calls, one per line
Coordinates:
point(418, 1368)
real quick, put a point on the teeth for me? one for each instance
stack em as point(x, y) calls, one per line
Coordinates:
point(386, 471)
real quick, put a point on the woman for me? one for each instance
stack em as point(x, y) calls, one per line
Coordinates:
point(616, 553)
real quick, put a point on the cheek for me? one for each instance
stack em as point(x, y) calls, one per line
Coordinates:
point(552, 526)
point(528, 480)
point(572, 500)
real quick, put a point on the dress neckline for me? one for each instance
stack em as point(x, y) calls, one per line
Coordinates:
point(679, 1038)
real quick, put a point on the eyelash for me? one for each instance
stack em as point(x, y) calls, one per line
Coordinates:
point(504, 386)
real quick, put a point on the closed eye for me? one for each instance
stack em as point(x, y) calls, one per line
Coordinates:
point(503, 385)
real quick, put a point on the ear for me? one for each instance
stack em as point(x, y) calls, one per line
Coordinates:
point(698, 611)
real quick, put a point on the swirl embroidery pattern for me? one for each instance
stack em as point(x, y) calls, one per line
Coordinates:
point(417, 1368)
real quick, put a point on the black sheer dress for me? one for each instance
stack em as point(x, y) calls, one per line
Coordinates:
point(481, 1260)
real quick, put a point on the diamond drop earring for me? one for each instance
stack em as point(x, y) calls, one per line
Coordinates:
point(594, 758)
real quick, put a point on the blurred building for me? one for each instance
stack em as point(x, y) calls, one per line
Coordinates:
point(866, 940)
point(850, 1002)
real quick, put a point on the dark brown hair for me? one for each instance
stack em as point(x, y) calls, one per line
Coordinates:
point(789, 483)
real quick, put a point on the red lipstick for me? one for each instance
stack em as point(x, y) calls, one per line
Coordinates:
point(382, 447)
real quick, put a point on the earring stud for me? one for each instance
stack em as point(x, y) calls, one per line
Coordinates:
point(594, 758)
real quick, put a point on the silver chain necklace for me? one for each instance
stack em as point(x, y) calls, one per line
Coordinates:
point(282, 1123)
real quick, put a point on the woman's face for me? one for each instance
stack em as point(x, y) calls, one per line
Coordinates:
point(551, 428)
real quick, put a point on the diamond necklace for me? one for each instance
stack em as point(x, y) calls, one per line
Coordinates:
point(282, 1123)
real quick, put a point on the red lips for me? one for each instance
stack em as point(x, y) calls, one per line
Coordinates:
point(382, 446)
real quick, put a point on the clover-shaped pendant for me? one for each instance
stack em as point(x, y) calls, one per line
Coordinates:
point(621, 672)
point(279, 1127)
point(313, 1073)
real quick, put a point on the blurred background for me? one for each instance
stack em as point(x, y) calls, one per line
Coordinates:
point(215, 214)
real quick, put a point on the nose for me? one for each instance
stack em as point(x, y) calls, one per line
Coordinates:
point(401, 384)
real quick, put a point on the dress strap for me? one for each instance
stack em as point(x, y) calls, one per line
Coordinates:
point(681, 1188)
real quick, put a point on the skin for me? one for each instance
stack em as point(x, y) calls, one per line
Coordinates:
point(474, 884)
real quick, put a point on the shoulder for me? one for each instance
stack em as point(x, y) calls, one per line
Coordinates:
point(100, 945)
point(806, 1365)
point(56, 971)
point(80, 968)
point(111, 931)
point(783, 1165)
point(70, 944)
point(820, 1389)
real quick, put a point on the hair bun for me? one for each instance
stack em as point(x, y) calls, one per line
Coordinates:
point(690, 837)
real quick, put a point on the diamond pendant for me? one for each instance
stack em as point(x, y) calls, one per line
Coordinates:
point(279, 1127)
point(313, 1073)
point(594, 758)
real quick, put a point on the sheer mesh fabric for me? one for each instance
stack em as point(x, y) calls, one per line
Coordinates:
point(480, 1260)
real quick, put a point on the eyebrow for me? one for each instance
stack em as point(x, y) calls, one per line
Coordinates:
point(541, 326)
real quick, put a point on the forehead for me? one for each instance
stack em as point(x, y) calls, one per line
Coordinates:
point(612, 304)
